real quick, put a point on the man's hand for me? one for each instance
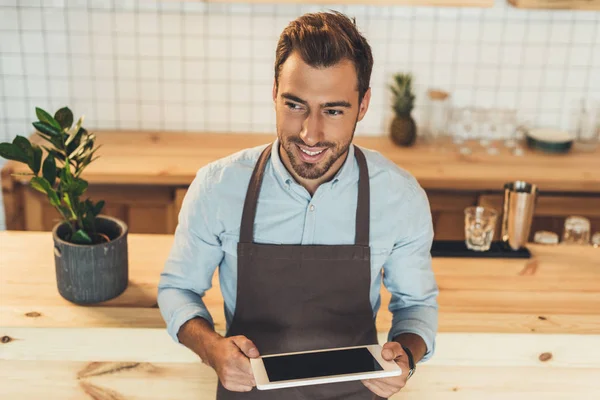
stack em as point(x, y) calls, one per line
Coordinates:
point(386, 387)
point(229, 357)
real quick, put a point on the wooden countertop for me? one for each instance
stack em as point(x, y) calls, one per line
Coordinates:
point(557, 291)
point(172, 158)
point(500, 321)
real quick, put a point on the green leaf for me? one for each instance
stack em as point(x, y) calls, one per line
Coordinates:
point(47, 129)
point(65, 211)
point(56, 154)
point(70, 210)
point(36, 161)
point(25, 146)
point(43, 116)
point(42, 185)
point(10, 151)
point(98, 207)
point(65, 175)
point(75, 143)
point(64, 117)
point(81, 237)
point(78, 187)
point(49, 169)
point(76, 131)
point(50, 134)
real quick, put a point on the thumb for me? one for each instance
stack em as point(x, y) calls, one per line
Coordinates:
point(391, 351)
point(246, 346)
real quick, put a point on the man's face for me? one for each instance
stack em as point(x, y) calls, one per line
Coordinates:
point(316, 111)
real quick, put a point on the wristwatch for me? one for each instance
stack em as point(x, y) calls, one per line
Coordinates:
point(411, 362)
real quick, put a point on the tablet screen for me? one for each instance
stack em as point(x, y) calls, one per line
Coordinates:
point(324, 363)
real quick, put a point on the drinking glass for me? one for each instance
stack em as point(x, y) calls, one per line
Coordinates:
point(494, 130)
point(596, 239)
point(480, 223)
point(437, 117)
point(509, 128)
point(464, 126)
point(586, 114)
point(577, 230)
point(545, 237)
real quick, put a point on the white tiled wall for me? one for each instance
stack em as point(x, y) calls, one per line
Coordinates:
point(194, 66)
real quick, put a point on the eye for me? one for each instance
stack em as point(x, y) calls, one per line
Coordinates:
point(334, 113)
point(293, 106)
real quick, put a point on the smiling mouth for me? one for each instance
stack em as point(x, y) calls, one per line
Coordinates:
point(311, 153)
point(311, 156)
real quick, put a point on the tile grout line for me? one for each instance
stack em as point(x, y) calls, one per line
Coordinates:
point(92, 61)
point(499, 55)
point(46, 63)
point(566, 69)
point(520, 79)
point(184, 115)
point(161, 66)
point(138, 64)
point(115, 60)
point(5, 136)
point(69, 55)
point(205, 81)
point(22, 44)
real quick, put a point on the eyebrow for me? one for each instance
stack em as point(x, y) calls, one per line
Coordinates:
point(297, 99)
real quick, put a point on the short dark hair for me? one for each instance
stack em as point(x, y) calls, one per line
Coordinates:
point(324, 39)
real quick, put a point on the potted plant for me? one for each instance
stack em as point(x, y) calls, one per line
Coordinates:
point(403, 128)
point(90, 249)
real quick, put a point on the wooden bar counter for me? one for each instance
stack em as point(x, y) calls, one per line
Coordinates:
point(509, 329)
point(143, 177)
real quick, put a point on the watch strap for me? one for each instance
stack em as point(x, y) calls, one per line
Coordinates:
point(411, 362)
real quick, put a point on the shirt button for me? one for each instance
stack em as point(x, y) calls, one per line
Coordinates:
point(312, 207)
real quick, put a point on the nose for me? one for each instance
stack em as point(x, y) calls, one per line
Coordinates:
point(312, 129)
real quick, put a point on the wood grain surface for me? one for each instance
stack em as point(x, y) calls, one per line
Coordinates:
point(173, 158)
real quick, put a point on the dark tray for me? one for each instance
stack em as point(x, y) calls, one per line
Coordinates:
point(458, 248)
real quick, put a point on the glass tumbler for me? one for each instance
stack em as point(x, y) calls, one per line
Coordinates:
point(596, 239)
point(545, 237)
point(480, 223)
point(577, 230)
point(586, 114)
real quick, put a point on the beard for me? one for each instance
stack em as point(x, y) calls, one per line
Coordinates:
point(317, 170)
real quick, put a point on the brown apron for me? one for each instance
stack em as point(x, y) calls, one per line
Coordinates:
point(304, 297)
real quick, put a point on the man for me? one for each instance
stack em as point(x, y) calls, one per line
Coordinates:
point(302, 229)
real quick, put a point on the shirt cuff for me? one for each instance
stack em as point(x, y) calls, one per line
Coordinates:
point(183, 315)
point(418, 328)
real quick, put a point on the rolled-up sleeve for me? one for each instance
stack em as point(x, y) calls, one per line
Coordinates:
point(409, 277)
point(195, 254)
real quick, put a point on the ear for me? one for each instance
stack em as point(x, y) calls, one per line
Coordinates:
point(274, 90)
point(364, 105)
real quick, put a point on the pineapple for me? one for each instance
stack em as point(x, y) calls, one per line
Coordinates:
point(403, 128)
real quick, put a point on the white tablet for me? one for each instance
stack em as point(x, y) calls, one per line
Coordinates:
point(321, 366)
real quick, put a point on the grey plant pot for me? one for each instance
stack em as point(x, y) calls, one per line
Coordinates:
point(88, 274)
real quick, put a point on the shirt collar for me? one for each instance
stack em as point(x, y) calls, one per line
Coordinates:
point(346, 172)
point(281, 172)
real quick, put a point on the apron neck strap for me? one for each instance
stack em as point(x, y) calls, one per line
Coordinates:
point(362, 208)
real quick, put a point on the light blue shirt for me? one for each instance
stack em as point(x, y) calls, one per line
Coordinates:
point(209, 225)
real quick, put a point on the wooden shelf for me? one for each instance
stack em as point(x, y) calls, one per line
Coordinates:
point(557, 4)
point(437, 3)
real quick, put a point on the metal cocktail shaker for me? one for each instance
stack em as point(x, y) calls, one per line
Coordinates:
point(519, 204)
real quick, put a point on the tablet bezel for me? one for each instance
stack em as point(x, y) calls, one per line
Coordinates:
point(390, 368)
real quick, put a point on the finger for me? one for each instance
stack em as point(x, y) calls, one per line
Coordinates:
point(240, 363)
point(372, 385)
point(236, 387)
point(393, 384)
point(234, 377)
point(246, 346)
point(391, 351)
